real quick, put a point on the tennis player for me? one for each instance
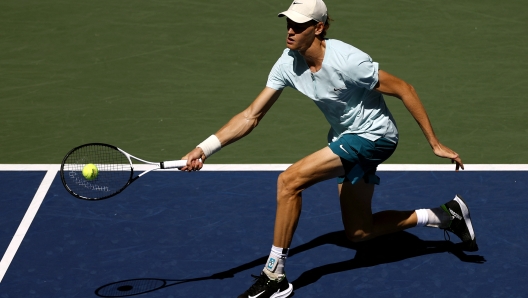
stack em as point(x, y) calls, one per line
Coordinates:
point(348, 87)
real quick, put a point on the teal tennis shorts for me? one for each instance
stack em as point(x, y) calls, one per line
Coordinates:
point(361, 157)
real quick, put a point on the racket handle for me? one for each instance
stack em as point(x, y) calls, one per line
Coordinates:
point(175, 164)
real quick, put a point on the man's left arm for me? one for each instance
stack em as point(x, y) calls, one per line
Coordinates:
point(393, 86)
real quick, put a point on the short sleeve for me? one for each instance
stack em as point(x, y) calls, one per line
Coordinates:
point(275, 78)
point(363, 71)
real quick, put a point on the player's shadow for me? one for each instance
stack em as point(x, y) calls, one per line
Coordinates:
point(382, 250)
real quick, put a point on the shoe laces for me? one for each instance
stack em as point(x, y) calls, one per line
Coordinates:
point(447, 237)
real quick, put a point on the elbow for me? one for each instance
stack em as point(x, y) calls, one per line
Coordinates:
point(406, 90)
point(410, 88)
point(251, 120)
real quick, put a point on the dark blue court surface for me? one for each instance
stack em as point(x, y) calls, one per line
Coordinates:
point(211, 230)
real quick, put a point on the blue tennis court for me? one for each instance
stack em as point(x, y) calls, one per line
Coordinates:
point(204, 233)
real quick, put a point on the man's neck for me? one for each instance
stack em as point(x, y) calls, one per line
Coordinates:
point(314, 55)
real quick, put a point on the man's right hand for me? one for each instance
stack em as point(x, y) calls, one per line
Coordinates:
point(193, 160)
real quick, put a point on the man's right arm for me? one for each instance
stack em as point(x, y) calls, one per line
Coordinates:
point(238, 127)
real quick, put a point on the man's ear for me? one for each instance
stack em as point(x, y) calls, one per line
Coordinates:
point(319, 28)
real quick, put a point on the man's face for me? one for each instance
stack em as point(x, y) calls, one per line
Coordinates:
point(300, 35)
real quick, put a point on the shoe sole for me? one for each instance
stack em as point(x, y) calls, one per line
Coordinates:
point(472, 244)
point(465, 215)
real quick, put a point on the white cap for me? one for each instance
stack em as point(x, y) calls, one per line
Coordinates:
point(302, 11)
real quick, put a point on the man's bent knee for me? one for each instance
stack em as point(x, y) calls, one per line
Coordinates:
point(289, 184)
point(357, 235)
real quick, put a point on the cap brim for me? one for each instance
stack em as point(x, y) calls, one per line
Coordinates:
point(295, 16)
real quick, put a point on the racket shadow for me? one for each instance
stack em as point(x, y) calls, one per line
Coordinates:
point(137, 286)
point(382, 250)
point(132, 287)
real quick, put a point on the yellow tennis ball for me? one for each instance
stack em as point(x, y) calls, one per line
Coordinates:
point(90, 171)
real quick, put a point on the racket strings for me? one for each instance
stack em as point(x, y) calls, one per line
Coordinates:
point(113, 167)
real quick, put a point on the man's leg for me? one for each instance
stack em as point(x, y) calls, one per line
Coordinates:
point(359, 222)
point(319, 166)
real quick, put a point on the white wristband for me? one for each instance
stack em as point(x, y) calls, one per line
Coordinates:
point(210, 145)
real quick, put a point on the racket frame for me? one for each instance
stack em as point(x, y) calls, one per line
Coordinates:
point(171, 164)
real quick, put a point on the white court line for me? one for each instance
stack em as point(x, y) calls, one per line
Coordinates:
point(382, 167)
point(28, 218)
point(52, 169)
point(282, 167)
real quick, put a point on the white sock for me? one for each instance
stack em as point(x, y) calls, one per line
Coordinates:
point(438, 218)
point(274, 267)
point(422, 217)
point(434, 218)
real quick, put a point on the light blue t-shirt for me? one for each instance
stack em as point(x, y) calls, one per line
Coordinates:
point(342, 89)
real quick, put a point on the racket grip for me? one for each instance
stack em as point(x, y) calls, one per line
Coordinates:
point(174, 164)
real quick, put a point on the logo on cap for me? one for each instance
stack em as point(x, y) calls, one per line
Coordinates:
point(305, 11)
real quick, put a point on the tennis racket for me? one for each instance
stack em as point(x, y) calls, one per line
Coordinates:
point(114, 167)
